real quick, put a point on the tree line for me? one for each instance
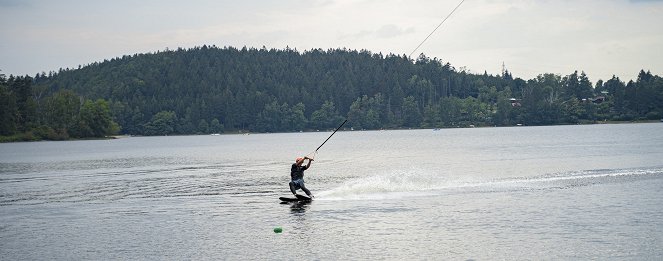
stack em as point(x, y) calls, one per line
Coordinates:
point(213, 90)
point(27, 113)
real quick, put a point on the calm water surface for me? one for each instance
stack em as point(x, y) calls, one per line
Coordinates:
point(561, 192)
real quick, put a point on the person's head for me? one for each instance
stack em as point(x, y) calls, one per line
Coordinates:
point(299, 161)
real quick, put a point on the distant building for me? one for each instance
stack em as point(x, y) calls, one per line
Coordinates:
point(599, 99)
point(515, 102)
point(596, 100)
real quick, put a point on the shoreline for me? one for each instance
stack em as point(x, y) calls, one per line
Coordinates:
point(20, 137)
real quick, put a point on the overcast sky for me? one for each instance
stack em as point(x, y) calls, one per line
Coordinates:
point(600, 37)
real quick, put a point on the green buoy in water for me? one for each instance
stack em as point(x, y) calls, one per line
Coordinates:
point(278, 230)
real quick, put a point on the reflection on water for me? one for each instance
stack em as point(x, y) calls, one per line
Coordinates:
point(298, 207)
point(562, 192)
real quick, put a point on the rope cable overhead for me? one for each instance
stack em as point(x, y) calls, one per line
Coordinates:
point(323, 143)
point(438, 26)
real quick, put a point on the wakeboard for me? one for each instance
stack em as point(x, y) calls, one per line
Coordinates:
point(297, 198)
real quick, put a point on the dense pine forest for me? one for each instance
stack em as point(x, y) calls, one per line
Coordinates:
point(214, 90)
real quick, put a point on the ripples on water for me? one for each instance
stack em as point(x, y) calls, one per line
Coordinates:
point(109, 180)
point(117, 179)
point(448, 194)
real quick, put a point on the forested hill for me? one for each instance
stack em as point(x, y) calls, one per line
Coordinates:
point(266, 90)
point(210, 89)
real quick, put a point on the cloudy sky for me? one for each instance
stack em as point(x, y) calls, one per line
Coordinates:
point(600, 37)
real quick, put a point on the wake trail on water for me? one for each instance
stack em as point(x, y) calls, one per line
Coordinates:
point(413, 183)
point(132, 183)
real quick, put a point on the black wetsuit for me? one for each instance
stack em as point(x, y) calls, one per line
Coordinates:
point(297, 179)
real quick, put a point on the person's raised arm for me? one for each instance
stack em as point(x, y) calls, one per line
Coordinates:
point(309, 162)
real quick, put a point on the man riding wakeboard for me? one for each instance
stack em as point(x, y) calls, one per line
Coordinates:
point(297, 176)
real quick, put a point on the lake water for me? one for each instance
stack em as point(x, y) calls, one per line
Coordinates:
point(559, 192)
